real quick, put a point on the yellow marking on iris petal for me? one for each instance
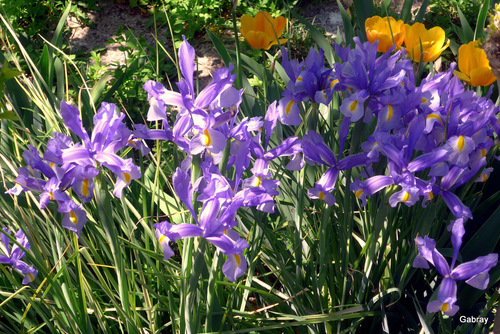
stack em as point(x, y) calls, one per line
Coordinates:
point(132, 143)
point(32, 278)
point(484, 177)
point(483, 153)
point(389, 115)
point(431, 196)
point(237, 258)
point(205, 139)
point(161, 238)
point(85, 187)
point(445, 307)
point(460, 143)
point(52, 165)
point(353, 105)
point(51, 195)
point(358, 193)
point(127, 177)
point(289, 106)
point(424, 100)
point(73, 218)
point(321, 195)
point(299, 79)
point(333, 83)
point(406, 196)
point(436, 117)
point(257, 181)
point(324, 95)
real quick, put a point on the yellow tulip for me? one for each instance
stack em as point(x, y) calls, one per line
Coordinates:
point(432, 41)
point(383, 30)
point(474, 65)
point(261, 31)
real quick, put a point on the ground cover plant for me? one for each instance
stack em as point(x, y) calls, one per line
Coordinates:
point(351, 190)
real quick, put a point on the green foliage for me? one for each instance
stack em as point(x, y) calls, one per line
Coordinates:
point(449, 13)
point(34, 17)
point(312, 268)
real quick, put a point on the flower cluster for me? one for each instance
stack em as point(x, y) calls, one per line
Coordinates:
point(205, 129)
point(420, 142)
point(262, 31)
point(420, 44)
point(66, 165)
point(427, 45)
point(13, 256)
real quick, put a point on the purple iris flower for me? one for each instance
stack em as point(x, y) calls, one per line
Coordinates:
point(309, 80)
point(166, 232)
point(362, 70)
point(75, 217)
point(475, 273)
point(289, 111)
point(26, 182)
point(108, 137)
point(15, 254)
point(322, 188)
point(142, 132)
point(370, 186)
point(231, 245)
point(185, 98)
point(353, 106)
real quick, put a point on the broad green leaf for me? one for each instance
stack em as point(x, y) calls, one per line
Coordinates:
point(347, 24)
point(58, 33)
point(364, 10)
point(9, 115)
point(406, 11)
point(60, 77)
point(421, 12)
point(481, 20)
point(466, 28)
point(221, 49)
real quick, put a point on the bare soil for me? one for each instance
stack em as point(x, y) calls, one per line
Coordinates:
point(112, 15)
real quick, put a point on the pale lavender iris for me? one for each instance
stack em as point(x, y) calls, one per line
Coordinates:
point(108, 137)
point(12, 256)
point(475, 272)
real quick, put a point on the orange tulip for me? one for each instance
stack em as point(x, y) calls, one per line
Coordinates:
point(432, 42)
point(261, 31)
point(384, 30)
point(474, 65)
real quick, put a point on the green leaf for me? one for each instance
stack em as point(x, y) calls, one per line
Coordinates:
point(58, 33)
point(481, 20)
point(45, 66)
point(485, 239)
point(346, 22)
point(221, 49)
point(466, 28)
point(9, 115)
point(99, 87)
point(421, 12)
point(364, 10)
point(8, 73)
point(60, 75)
point(406, 11)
